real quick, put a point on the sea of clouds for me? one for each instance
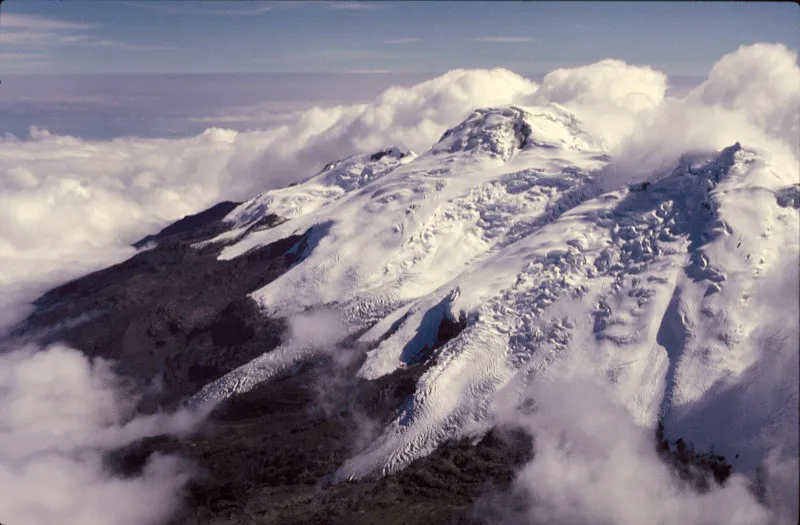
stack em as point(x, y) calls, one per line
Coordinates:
point(70, 205)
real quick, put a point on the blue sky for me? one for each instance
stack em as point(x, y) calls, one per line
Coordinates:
point(680, 38)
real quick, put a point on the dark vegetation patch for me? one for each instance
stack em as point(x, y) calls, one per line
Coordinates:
point(266, 457)
point(172, 313)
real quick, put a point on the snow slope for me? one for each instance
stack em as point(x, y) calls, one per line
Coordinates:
point(681, 293)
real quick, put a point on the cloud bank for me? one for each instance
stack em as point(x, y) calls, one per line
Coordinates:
point(59, 414)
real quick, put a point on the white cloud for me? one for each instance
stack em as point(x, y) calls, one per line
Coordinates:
point(23, 32)
point(608, 95)
point(367, 71)
point(606, 82)
point(20, 56)
point(751, 96)
point(207, 8)
point(59, 414)
point(115, 44)
point(760, 82)
point(342, 4)
point(39, 23)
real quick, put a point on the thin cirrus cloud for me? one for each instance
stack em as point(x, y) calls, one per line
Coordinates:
point(503, 39)
point(177, 8)
point(38, 23)
point(23, 33)
point(403, 41)
point(341, 4)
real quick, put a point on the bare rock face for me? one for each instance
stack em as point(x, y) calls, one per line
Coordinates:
point(265, 457)
point(173, 313)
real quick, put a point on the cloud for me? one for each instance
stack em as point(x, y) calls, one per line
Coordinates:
point(351, 6)
point(761, 82)
point(593, 464)
point(608, 96)
point(751, 96)
point(40, 23)
point(723, 110)
point(20, 56)
point(503, 39)
point(26, 31)
point(606, 82)
point(60, 413)
point(207, 8)
point(28, 38)
point(402, 41)
point(411, 118)
point(115, 44)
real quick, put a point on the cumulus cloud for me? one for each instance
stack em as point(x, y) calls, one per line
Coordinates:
point(751, 96)
point(606, 82)
point(760, 82)
point(609, 96)
point(680, 127)
point(59, 414)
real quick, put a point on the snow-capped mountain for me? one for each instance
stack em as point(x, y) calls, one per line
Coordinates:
point(666, 288)
point(400, 329)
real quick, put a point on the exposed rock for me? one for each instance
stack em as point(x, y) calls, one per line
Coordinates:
point(172, 313)
point(264, 457)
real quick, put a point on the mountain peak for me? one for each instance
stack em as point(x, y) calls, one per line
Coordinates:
point(504, 131)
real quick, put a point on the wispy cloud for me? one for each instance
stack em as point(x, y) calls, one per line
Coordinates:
point(504, 39)
point(38, 23)
point(401, 41)
point(115, 44)
point(203, 8)
point(20, 56)
point(27, 38)
point(27, 31)
point(342, 4)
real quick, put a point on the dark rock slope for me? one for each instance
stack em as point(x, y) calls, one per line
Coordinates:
point(265, 457)
point(171, 313)
point(176, 316)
